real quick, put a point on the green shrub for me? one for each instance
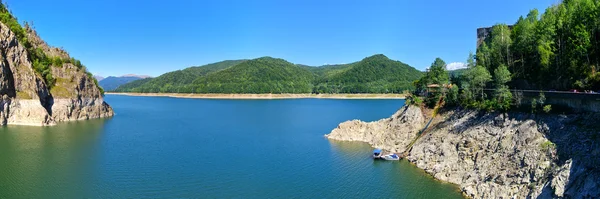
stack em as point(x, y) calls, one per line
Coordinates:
point(57, 61)
point(489, 105)
point(414, 100)
point(547, 108)
point(432, 99)
point(534, 105)
point(547, 145)
point(542, 99)
point(452, 96)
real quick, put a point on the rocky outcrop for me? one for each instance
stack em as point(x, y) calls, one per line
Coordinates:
point(76, 96)
point(25, 98)
point(394, 133)
point(494, 155)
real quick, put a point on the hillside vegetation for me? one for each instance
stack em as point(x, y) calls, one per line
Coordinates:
point(557, 49)
point(179, 81)
point(262, 75)
point(375, 74)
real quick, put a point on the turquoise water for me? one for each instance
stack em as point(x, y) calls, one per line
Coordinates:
point(158, 147)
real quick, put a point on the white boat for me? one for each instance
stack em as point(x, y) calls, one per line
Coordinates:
point(391, 157)
point(377, 153)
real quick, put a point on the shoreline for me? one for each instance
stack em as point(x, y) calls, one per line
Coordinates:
point(267, 96)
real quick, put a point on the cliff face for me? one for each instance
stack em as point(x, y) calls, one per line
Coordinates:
point(495, 155)
point(393, 134)
point(25, 97)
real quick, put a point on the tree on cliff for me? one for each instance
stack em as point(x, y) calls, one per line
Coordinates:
point(502, 93)
point(436, 74)
point(477, 78)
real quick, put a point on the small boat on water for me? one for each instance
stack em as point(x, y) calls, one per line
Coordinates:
point(377, 153)
point(391, 156)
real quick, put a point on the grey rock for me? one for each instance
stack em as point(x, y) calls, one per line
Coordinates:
point(392, 134)
point(27, 100)
point(493, 155)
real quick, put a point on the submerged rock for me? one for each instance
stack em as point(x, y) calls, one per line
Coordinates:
point(493, 155)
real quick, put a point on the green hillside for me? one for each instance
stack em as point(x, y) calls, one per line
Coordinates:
point(177, 81)
point(134, 86)
point(262, 75)
point(375, 74)
point(326, 70)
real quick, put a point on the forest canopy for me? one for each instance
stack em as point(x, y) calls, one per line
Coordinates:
point(559, 49)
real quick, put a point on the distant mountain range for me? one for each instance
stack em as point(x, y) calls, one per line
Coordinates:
point(99, 78)
point(111, 83)
point(374, 74)
point(139, 76)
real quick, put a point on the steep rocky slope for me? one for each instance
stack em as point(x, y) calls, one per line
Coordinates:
point(494, 155)
point(26, 98)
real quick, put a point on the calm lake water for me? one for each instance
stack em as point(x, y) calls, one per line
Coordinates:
point(160, 147)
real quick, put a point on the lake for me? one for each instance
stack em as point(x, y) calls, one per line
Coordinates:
point(160, 147)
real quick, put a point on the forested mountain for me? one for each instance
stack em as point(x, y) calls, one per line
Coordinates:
point(262, 75)
point(176, 81)
point(375, 74)
point(326, 70)
point(457, 73)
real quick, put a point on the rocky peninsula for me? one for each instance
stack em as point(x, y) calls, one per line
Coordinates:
point(27, 99)
point(493, 155)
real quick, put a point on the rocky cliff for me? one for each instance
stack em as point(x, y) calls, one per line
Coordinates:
point(28, 98)
point(392, 134)
point(493, 155)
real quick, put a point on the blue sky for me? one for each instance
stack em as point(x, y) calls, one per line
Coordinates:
point(115, 37)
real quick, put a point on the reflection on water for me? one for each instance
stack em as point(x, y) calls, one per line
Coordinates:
point(348, 147)
point(407, 180)
point(191, 148)
point(48, 161)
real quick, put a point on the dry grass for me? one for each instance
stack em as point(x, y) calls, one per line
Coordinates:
point(23, 95)
point(60, 88)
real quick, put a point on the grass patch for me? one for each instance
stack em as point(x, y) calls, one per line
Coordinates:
point(547, 145)
point(23, 95)
point(60, 89)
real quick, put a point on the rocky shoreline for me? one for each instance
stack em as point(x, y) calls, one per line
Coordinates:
point(493, 155)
